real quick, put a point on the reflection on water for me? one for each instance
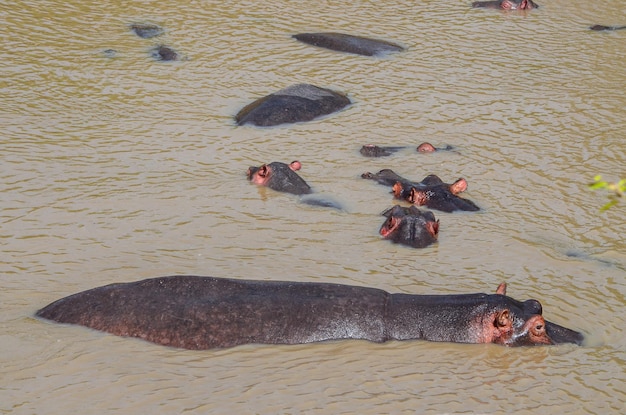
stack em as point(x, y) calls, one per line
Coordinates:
point(116, 167)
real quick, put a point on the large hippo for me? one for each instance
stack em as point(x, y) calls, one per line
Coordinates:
point(204, 312)
point(507, 4)
point(342, 42)
point(431, 191)
point(410, 226)
point(296, 103)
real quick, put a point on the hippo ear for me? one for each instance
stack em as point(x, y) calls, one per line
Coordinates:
point(390, 226)
point(295, 165)
point(263, 171)
point(458, 187)
point(501, 289)
point(503, 319)
point(506, 5)
point(397, 190)
point(433, 228)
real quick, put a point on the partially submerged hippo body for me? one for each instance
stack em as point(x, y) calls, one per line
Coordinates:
point(146, 31)
point(431, 191)
point(165, 53)
point(507, 4)
point(204, 312)
point(410, 226)
point(600, 28)
point(282, 177)
point(347, 43)
point(372, 150)
point(279, 176)
point(297, 103)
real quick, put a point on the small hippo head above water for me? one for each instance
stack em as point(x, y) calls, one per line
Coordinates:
point(410, 226)
point(280, 177)
point(507, 4)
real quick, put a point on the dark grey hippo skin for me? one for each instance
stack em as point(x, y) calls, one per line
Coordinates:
point(296, 103)
point(194, 312)
point(410, 226)
point(347, 43)
point(146, 30)
point(600, 28)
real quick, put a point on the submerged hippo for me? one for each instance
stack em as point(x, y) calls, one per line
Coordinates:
point(599, 28)
point(372, 150)
point(297, 103)
point(507, 4)
point(280, 177)
point(204, 312)
point(431, 191)
point(146, 31)
point(410, 226)
point(164, 53)
point(283, 178)
point(348, 43)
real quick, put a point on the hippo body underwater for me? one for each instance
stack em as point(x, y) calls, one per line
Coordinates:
point(342, 42)
point(282, 177)
point(195, 312)
point(296, 103)
point(506, 4)
point(431, 191)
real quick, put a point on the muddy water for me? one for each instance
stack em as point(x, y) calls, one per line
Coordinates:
point(116, 167)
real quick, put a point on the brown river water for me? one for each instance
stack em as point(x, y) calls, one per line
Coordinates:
point(116, 167)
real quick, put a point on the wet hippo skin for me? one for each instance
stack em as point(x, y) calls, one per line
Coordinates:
point(347, 43)
point(507, 4)
point(279, 176)
point(410, 226)
point(431, 191)
point(194, 312)
point(297, 103)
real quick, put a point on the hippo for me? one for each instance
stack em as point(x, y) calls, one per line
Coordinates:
point(193, 312)
point(282, 177)
point(599, 28)
point(296, 103)
point(347, 43)
point(164, 53)
point(507, 4)
point(429, 148)
point(372, 150)
point(146, 31)
point(431, 191)
point(410, 226)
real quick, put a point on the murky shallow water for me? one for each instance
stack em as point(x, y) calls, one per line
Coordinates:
point(123, 168)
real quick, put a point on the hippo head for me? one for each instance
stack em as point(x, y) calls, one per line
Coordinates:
point(280, 177)
point(410, 226)
point(517, 323)
point(518, 5)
